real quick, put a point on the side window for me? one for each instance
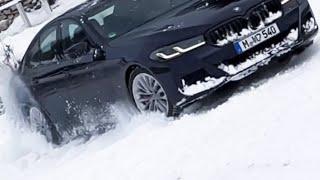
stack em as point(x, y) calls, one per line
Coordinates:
point(72, 34)
point(44, 51)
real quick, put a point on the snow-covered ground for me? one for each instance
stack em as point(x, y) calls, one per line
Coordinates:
point(266, 127)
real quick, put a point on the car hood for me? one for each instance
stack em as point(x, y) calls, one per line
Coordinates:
point(187, 21)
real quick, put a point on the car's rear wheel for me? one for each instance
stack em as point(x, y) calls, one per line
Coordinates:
point(148, 93)
point(38, 122)
point(2, 108)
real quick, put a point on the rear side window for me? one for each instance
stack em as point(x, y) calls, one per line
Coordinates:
point(44, 51)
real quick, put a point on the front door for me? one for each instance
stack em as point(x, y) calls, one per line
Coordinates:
point(91, 83)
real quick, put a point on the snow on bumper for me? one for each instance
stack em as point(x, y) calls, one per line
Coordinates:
point(200, 86)
point(262, 57)
point(251, 65)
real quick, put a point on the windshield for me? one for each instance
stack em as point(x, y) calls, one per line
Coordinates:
point(120, 16)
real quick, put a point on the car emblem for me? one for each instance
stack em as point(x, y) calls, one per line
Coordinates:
point(236, 9)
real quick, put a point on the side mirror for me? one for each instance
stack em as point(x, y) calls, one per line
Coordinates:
point(98, 54)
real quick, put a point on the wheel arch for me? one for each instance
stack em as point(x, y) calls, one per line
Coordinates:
point(56, 135)
point(130, 69)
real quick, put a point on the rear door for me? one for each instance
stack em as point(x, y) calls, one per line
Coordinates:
point(43, 74)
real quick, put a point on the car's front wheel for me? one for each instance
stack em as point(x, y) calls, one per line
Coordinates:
point(148, 93)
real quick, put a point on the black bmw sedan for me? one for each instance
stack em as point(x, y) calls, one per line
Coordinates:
point(160, 55)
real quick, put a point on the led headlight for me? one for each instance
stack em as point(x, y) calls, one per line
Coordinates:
point(175, 50)
point(285, 1)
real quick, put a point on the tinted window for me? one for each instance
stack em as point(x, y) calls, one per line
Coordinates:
point(121, 16)
point(72, 33)
point(45, 49)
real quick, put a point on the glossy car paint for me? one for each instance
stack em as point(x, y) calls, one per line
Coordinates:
point(68, 91)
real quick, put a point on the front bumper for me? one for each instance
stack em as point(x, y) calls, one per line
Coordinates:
point(207, 68)
point(203, 88)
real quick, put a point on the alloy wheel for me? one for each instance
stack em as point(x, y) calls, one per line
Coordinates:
point(149, 95)
point(37, 122)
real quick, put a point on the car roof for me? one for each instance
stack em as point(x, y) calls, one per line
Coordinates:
point(81, 9)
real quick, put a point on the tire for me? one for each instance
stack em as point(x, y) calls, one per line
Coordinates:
point(147, 93)
point(38, 123)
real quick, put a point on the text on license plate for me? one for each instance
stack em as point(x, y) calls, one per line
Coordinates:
point(257, 38)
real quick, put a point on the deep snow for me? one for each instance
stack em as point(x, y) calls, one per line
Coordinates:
point(265, 127)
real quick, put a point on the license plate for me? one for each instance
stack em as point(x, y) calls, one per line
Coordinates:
point(257, 38)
